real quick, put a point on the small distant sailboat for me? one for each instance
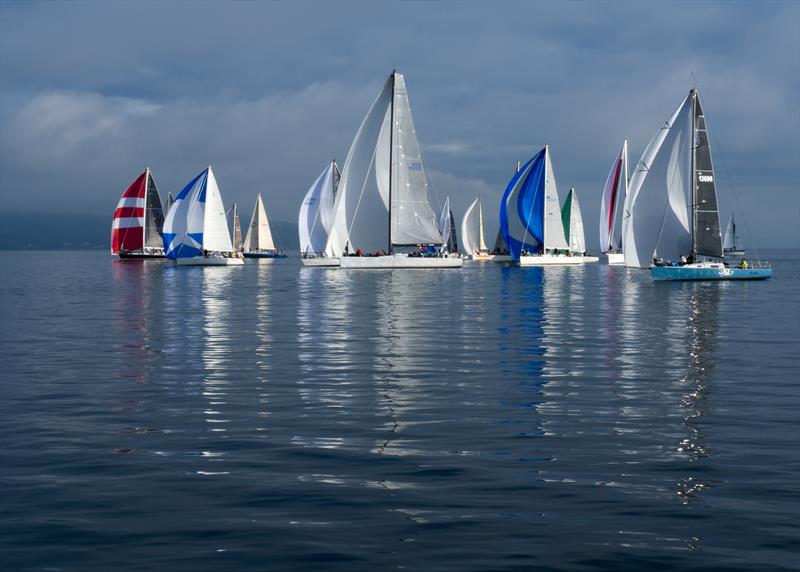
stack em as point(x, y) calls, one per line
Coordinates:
point(382, 205)
point(573, 226)
point(234, 226)
point(448, 228)
point(530, 216)
point(730, 243)
point(671, 215)
point(195, 231)
point(138, 221)
point(316, 218)
point(472, 232)
point(258, 242)
point(614, 193)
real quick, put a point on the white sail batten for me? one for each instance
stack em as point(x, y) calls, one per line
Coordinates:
point(656, 216)
point(259, 235)
point(469, 229)
point(553, 227)
point(412, 218)
point(215, 227)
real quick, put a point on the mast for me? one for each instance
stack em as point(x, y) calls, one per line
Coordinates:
point(391, 153)
point(694, 173)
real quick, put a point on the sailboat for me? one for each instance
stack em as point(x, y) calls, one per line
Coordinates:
point(572, 221)
point(316, 218)
point(730, 242)
point(614, 193)
point(258, 242)
point(195, 231)
point(170, 201)
point(530, 216)
point(472, 232)
point(234, 226)
point(138, 221)
point(448, 229)
point(501, 253)
point(382, 203)
point(671, 210)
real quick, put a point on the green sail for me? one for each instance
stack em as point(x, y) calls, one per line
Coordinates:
point(566, 212)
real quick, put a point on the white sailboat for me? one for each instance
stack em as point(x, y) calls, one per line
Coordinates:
point(448, 229)
point(195, 231)
point(730, 242)
point(258, 242)
point(472, 232)
point(316, 218)
point(573, 226)
point(235, 226)
point(614, 195)
point(530, 216)
point(382, 203)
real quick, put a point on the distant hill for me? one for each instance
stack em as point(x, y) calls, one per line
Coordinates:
point(56, 231)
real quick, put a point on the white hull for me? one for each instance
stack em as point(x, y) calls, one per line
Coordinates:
point(502, 258)
point(550, 260)
point(401, 261)
point(320, 262)
point(481, 257)
point(210, 261)
point(591, 259)
point(615, 258)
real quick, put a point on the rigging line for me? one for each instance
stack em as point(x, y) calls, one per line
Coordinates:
point(733, 188)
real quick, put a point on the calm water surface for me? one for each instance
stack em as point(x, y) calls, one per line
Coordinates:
point(278, 418)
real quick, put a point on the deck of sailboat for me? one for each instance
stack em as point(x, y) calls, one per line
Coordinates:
point(550, 260)
point(398, 261)
point(691, 272)
point(320, 262)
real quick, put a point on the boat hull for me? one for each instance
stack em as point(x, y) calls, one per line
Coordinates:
point(550, 260)
point(502, 258)
point(139, 256)
point(591, 259)
point(382, 262)
point(615, 258)
point(210, 261)
point(320, 262)
point(481, 257)
point(686, 273)
point(265, 255)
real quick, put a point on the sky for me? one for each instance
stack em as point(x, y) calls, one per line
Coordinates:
point(267, 93)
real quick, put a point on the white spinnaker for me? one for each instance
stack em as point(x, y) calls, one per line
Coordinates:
point(649, 195)
point(612, 196)
point(469, 229)
point(553, 227)
point(259, 236)
point(444, 221)
point(316, 207)
point(577, 240)
point(215, 226)
point(413, 220)
point(352, 216)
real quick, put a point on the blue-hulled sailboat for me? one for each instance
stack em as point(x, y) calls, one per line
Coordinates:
point(671, 222)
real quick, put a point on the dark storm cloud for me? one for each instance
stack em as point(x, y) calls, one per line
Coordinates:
point(268, 92)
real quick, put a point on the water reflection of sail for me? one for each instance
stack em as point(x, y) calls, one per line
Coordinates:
point(262, 352)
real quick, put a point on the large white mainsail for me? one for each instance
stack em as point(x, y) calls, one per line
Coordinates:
point(316, 212)
point(259, 235)
point(614, 193)
point(553, 227)
point(573, 223)
point(656, 212)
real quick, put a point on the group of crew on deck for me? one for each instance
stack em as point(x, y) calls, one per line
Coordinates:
point(423, 250)
point(218, 254)
point(684, 260)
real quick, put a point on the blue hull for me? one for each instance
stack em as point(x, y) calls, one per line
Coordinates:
point(264, 255)
point(661, 273)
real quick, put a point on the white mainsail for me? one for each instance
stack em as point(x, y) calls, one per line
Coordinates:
point(577, 240)
point(614, 193)
point(553, 227)
point(259, 235)
point(656, 213)
point(234, 226)
point(316, 211)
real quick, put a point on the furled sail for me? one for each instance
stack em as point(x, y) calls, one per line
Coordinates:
point(234, 226)
point(259, 235)
point(138, 218)
point(656, 212)
point(573, 223)
point(316, 211)
point(196, 221)
point(613, 196)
